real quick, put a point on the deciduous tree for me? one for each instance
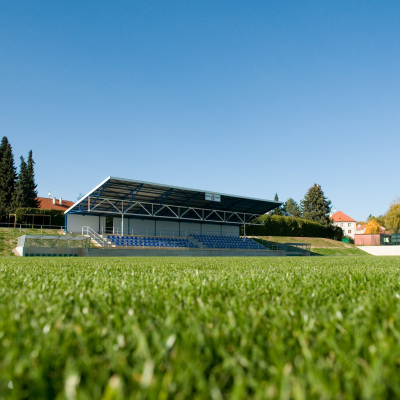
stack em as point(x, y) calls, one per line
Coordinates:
point(392, 220)
point(373, 227)
point(380, 219)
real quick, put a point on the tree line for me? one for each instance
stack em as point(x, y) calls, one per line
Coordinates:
point(314, 207)
point(16, 189)
point(309, 219)
point(390, 220)
point(317, 207)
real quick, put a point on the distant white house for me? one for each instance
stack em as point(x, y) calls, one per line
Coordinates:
point(345, 222)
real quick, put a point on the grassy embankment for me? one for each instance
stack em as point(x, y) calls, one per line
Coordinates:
point(320, 246)
point(9, 237)
point(200, 328)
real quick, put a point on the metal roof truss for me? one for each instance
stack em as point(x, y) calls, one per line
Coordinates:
point(98, 205)
point(130, 198)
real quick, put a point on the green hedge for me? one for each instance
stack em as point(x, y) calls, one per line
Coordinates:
point(57, 216)
point(276, 225)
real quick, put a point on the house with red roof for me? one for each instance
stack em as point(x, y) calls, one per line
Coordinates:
point(348, 224)
point(46, 203)
point(50, 211)
point(361, 228)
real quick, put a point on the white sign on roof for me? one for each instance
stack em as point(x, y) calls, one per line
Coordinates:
point(213, 197)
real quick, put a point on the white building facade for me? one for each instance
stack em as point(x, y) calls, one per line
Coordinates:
point(346, 223)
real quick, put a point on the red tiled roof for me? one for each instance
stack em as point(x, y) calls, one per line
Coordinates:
point(340, 216)
point(363, 227)
point(47, 204)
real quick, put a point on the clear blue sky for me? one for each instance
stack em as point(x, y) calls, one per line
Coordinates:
point(243, 97)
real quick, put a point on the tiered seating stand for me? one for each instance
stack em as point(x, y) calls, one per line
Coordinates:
point(192, 245)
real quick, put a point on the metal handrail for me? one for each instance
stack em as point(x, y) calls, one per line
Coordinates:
point(95, 236)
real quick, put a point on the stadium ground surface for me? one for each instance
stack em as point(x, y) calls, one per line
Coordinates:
point(200, 328)
point(319, 246)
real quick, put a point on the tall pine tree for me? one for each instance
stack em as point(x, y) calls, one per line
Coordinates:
point(315, 206)
point(292, 208)
point(21, 190)
point(8, 177)
point(279, 210)
point(3, 145)
point(31, 191)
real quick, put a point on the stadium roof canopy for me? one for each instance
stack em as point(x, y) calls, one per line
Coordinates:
point(132, 198)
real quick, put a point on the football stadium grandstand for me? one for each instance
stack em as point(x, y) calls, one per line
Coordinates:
point(125, 217)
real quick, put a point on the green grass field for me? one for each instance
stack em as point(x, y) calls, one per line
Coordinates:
point(200, 328)
point(320, 246)
point(337, 251)
point(315, 242)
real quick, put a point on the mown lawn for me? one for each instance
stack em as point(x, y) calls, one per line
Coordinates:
point(200, 328)
point(315, 242)
point(328, 251)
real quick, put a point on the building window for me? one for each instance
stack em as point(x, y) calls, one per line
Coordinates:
point(349, 231)
point(349, 224)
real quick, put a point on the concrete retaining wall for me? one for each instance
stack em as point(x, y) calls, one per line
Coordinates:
point(142, 252)
point(381, 250)
point(52, 252)
point(181, 253)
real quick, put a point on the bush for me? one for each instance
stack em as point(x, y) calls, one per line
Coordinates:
point(57, 217)
point(276, 225)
